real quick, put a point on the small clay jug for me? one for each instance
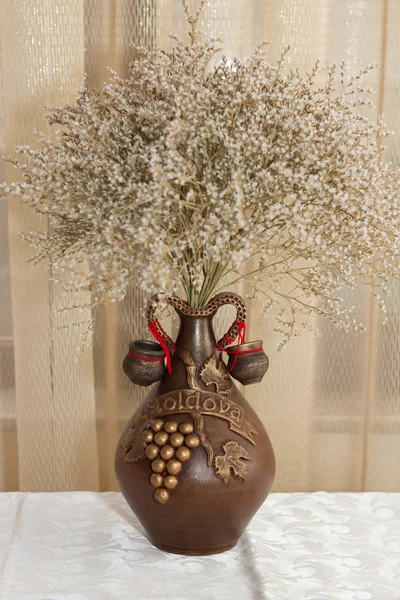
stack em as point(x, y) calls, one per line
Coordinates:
point(144, 363)
point(248, 362)
point(195, 462)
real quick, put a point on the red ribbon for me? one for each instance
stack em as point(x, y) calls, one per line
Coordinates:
point(145, 357)
point(162, 339)
point(241, 335)
point(244, 351)
point(241, 338)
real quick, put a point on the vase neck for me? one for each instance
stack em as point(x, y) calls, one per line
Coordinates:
point(196, 336)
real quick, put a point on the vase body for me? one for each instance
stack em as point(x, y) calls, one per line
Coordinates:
point(231, 466)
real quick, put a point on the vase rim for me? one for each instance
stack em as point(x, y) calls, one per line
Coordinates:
point(195, 312)
point(147, 347)
point(199, 311)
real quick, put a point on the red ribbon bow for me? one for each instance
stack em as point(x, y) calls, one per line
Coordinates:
point(241, 335)
point(164, 341)
point(241, 339)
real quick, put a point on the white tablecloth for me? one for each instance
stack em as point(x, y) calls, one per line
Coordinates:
point(82, 545)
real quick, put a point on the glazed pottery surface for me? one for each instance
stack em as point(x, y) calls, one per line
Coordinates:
point(218, 464)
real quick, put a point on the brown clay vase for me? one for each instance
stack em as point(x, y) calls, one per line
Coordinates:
point(195, 462)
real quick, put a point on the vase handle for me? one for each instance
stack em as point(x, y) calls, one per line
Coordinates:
point(238, 327)
point(166, 343)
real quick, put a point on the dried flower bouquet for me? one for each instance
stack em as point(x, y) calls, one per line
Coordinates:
point(185, 174)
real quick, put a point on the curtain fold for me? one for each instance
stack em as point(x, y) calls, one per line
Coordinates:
point(42, 64)
point(331, 405)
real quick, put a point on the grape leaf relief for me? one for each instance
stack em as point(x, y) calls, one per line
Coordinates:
point(231, 462)
point(132, 442)
point(214, 372)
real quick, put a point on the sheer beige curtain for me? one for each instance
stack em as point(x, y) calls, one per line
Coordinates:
point(331, 405)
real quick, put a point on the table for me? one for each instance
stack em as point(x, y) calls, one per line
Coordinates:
point(83, 545)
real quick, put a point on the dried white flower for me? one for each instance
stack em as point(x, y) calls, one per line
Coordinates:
point(182, 173)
